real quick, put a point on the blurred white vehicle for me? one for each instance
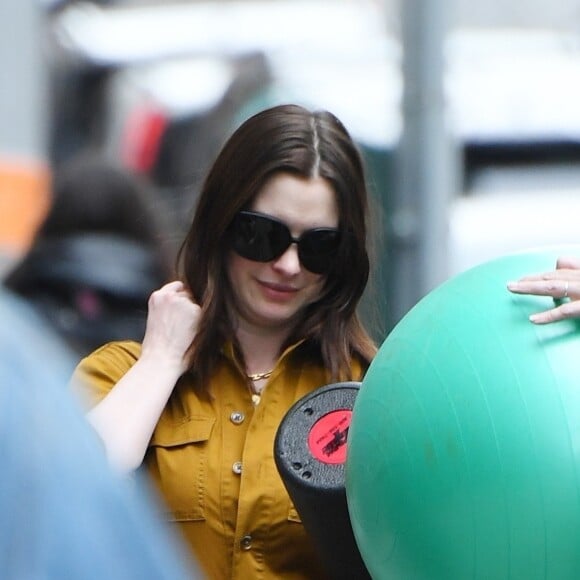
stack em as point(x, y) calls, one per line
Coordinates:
point(513, 209)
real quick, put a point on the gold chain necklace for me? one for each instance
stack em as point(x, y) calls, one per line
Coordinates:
point(260, 376)
point(257, 394)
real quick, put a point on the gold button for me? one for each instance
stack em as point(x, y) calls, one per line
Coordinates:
point(236, 417)
point(237, 467)
point(246, 542)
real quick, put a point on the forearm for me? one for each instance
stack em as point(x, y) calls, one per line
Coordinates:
point(126, 417)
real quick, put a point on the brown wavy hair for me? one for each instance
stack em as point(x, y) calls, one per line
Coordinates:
point(290, 139)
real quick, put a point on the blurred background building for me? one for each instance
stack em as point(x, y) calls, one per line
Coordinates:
point(466, 114)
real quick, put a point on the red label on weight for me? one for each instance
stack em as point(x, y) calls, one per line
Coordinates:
point(327, 438)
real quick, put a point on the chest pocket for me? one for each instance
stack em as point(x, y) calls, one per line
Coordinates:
point(177, 461)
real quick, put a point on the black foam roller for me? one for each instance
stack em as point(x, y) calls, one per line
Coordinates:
point(310, 453)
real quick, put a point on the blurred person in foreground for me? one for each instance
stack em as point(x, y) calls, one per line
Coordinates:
point(97, 256)
point(64, 512)
point(264, 312)
point(562, 284)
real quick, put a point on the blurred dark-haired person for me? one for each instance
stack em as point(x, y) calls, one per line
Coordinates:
point(263, 312)
point(101, 250)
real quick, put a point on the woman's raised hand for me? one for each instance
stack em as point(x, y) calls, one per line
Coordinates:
point(562, 284)
point(171, 324)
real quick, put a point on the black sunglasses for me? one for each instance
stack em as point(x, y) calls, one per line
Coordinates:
point(262, 238)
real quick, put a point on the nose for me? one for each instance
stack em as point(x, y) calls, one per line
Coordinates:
point(288, 262)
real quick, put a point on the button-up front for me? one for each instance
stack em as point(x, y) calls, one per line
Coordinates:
point(246, 543)
point(237, 418)
point(239, 524)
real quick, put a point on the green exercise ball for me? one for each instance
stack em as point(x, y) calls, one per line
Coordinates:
point(464, 447)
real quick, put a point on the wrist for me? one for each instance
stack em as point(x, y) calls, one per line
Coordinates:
point(166, 363)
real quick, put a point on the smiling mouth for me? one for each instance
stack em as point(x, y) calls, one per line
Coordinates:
point(279, 288)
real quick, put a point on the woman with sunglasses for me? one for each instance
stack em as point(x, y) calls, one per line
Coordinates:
point(263, 312)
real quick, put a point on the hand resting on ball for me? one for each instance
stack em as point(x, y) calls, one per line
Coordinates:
point(562, 284)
